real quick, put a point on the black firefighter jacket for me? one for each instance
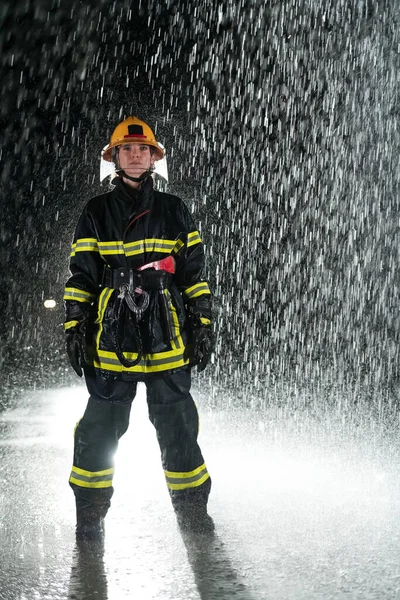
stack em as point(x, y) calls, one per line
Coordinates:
point(118, 230)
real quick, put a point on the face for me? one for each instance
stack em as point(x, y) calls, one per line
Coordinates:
point(135, 158)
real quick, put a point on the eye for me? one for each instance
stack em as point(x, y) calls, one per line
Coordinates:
point(143, 148)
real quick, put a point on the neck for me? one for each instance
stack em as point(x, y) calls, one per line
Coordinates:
point(135, 185)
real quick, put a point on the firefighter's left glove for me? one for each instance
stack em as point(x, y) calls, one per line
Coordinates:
point(76, 346)
point(201, 344)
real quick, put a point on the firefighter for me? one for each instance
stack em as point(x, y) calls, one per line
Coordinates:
point(137, 309)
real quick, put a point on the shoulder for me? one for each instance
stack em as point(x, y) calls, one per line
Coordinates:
point(170, 203)
point(167, 199)
point(97, 204)
point(173, 207)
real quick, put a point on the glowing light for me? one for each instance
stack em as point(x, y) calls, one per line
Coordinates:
point(49, 303)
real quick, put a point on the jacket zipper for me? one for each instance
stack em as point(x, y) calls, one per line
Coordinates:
point(128, 226)
point(133, 220)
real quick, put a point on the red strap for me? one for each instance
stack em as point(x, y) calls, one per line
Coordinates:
point(166, 264)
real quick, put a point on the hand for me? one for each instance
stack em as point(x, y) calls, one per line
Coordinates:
point(201, 347)
point(201, 342)
point(75, 345)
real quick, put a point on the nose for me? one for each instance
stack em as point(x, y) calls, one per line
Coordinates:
point(134, 150)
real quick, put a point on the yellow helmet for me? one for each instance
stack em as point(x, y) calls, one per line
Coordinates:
point(132, 130)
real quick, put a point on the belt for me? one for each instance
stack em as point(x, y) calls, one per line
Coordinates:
point(147, 280)
point(152, 276)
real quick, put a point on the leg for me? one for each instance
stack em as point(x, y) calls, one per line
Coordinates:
point(174, 416)
point(105, 420)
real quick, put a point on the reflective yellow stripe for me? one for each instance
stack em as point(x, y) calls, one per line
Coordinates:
point(130, 249)
point(91, 474)
point(149, 245)
point(197, 290)
point(205, 321)
point(183, 486)
point(150, 363)
point(78, 295)
point(84, 245)
point(107, 248)
point(103, 302)
point(181, 481)
point(178, 245)
point(91, 479)
point(177, 342)
point(90, 484)
point(70, 324)
point(185, 474)
point(193, 238)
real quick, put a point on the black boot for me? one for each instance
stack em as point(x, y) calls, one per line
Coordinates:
point(193, 518)
point(89, 525)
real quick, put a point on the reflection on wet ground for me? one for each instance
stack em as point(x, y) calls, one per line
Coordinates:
point(213, 571)
point(303, 510)
point(88, 576)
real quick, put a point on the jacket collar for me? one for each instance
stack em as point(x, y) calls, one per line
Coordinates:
point(138, 200)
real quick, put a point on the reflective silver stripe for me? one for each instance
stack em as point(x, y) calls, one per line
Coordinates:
point(79, 295)
point(149, 245)
point(146, 245)
point(84, 245)
point(75, 475)
point(81, 246)
point(186, 480)
point(111, 247)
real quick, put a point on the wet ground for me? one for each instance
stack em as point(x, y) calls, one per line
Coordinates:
point(305, 509)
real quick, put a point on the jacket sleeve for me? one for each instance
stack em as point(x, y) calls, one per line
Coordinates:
point(190, 266)
point(86, 267)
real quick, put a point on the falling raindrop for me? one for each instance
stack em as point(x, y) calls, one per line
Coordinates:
point(281, 128)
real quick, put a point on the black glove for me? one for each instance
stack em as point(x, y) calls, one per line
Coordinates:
point(76, 346)
point(201, 343)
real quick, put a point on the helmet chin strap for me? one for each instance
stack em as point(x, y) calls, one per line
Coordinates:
point(142, 177)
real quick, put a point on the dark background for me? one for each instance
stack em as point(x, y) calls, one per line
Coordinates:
point(281, 124)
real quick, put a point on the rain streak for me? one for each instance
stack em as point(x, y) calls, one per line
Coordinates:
point(280, 121)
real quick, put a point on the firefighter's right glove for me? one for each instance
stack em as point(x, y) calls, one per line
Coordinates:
point(77, 317)
point(76, 346)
